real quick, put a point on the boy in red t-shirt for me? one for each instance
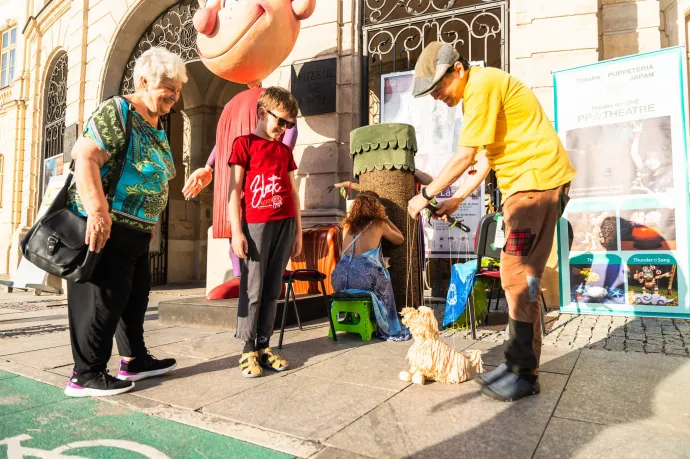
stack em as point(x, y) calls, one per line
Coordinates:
point(266, 225)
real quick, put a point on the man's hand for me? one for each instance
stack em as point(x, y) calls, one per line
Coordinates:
point(416, 205)
point(297, 245)
point(196, 182)
point(446, 208)
point(98, 227)
point(240, 247)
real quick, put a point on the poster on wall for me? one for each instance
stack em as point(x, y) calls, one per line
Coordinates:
point(52, 167)
point(437, 127)
point(624, 125)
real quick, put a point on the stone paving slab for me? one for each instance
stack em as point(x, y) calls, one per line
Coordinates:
point(612, 388)
point(28, 315)
point(309, 408)
point(45, 359)
point(451, 421)
point(303, 349)
point(46, 377)
point(163, 336)
point(32, 328)
point(256, 435)
point(566, 439)
point(11, 346)
point(374, 365)
point(207, 347)
point(202, 384)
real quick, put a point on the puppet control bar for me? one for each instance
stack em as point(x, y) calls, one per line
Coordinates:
point(454, 222)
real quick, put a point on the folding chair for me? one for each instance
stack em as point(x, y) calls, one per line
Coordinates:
point(484, 248)
point(304, 275)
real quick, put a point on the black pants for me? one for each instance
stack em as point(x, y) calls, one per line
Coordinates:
point(113, 303)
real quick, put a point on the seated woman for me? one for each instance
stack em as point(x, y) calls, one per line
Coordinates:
point(361, 270)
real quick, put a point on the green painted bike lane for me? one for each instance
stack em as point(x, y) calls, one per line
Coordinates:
point(38, 420)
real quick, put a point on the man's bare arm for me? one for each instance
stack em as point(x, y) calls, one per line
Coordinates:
point(461, 160)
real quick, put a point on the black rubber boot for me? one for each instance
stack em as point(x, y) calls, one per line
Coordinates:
point(511, 387)
point(487, 378)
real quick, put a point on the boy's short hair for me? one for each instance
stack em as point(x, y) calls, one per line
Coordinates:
point(276, 98)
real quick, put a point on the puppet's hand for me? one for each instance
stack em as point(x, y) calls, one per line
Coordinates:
point(196, 182)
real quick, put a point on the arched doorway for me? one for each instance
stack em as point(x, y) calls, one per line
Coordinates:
point(55, 107)
point(182, 233)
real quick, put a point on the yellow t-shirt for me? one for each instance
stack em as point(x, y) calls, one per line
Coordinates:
point(522, 146)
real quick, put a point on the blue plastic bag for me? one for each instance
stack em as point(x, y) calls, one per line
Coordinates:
point(459, 290)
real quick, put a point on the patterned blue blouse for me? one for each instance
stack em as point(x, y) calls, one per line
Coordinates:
point(142, 192)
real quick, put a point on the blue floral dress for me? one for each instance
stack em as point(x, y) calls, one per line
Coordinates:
point(365, 274)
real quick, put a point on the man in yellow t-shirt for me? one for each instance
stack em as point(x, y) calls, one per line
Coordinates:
point(533, 173)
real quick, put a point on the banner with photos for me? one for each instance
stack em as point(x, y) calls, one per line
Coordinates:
point(623, 240)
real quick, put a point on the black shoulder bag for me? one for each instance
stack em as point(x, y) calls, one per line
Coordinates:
point(55, 243)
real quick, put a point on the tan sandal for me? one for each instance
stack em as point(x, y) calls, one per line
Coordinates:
point(249, 365)
point(272, 361)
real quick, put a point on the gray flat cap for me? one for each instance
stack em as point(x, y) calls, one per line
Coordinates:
point(432, 65)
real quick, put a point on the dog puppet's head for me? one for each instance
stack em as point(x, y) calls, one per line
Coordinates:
point(421, 322)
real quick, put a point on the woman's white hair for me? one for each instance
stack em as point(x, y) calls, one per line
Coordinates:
point(157, 64)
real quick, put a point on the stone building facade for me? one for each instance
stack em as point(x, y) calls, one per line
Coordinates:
point(70, 55)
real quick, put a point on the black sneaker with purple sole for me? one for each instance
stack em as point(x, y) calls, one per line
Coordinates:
point(144, 367)
point(99, 384)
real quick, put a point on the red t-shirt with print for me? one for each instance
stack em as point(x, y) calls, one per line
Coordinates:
point(267, 189)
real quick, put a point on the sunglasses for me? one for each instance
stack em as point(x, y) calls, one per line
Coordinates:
point(282, 122)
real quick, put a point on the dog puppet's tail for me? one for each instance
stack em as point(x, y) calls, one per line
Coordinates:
point(475, 358)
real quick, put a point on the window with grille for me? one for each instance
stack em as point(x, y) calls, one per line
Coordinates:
point(55, 108)
point(7, 54)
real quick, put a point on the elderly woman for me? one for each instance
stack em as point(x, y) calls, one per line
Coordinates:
point(114, 301)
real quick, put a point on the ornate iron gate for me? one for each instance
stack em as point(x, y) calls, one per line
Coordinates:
point(172, 30)
point(396, 31)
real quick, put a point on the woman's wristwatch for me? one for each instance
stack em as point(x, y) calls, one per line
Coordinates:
point(425, 195)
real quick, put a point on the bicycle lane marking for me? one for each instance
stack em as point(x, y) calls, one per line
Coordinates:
point(52, 420)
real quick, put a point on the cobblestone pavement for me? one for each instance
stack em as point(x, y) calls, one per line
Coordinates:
point(611, 333)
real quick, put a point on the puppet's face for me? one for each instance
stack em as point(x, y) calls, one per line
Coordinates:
point(245, 40)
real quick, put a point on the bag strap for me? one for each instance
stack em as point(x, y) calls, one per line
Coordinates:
point(120, 159)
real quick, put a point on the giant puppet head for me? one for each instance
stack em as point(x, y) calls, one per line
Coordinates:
point(245, 40)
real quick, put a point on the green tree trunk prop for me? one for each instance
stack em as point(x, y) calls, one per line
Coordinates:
point(383, 156)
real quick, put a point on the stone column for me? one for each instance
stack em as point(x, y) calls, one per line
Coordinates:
point(383, 157)
point(630, 27)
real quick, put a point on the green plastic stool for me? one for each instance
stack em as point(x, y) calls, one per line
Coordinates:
point(358, 312)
